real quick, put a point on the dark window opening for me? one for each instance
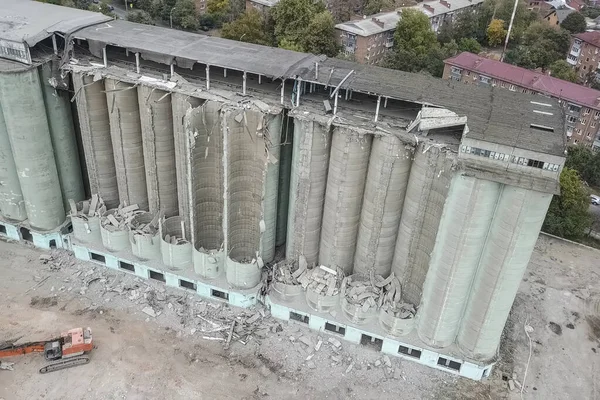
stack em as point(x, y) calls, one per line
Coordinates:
point(335, 329)
point(52, 244)
point(70, 228)
point(187, 284)
point(409, 352)
point(299, 317)
point(219, 294)
point(126, 266)
point(26, 235)
point(371, 342)
point(3, 229)
point(535, 164)
point(449, 364)
point(156, 276)
point(98, 257)
point(486, 373)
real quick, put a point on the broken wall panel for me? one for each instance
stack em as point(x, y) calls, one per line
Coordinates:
point(510, 243)
point(12, 205)
point(156, 117)
point(62, 133)
point(387, 180)
point(308, 181)
point(348, 164)
point(272, 138)
point(428, 183)
point(285, 168)
point(94, 125)
point(462, 232)
point(126, 136)
point(27, 126)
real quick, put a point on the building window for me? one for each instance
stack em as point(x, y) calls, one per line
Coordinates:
point(456, 70)
point(512, 88)
point(586, 111)
point(574, 108)
point(597, 114)
point(593, 124)
point(484, 79)
point(571, 119)
point(582, 121)
point(468, 73)
point(535, 164)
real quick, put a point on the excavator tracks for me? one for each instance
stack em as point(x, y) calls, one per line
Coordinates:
point(63, 364)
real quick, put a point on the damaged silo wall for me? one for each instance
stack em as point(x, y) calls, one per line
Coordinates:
point(94, 125)
point(12, 205)
point(510, 243)
point(462, 232)
point(348, 164)
point(285, 168)
point(27, 126)
point(387, 180)
point(62, 133)
point(126, 136)
point(428, 184)
point(156, 119)
point(272, 138)
point(308, 181)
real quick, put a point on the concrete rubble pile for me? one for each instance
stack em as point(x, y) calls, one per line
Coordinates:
point(322, 280)
point(150, 228)
point(90, 208)
point(364, 293)
point(122, 217)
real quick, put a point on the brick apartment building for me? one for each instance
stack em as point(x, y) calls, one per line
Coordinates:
point(584, 54)
point(369, 38)
point(581, 104)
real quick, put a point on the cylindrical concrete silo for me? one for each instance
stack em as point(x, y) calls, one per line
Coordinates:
point(126, 136)
point(273, 139)
point(29, 134)
point(62, 133)
point(428, 184)
point(246, 165)
point(513, 234)
point(387, 180)
point(308, 180)
point(348, 163)
point(12, 205)
point(156, 119)
point(92, 110)
point(462, 232)
point(285, 168)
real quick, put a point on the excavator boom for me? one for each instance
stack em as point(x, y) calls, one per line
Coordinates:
point(22, 349)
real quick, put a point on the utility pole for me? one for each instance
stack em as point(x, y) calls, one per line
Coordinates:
point(171, 17)
point(512, 18)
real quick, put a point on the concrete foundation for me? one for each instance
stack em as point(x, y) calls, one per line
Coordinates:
point(208, 264)
point(113, 238)
point(145, 246)
point(176, 256)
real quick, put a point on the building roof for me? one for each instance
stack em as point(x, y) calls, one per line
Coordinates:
point(439, 7)
point(372, 24)
point(526, 78)
point(562, 14)
point(29, 22)
point(591, 37)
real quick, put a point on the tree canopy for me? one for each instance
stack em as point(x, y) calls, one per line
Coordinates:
point(562, 70)
point(541, 46)
point(568, 215)
point(496, 32)
point(414, 33)
point(250, 28)
point(574, 23)
point(585, 162)
point(141, 17)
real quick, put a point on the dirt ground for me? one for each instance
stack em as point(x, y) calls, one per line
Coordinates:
point(138, 356)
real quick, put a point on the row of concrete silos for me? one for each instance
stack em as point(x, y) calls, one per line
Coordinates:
point(39, 159)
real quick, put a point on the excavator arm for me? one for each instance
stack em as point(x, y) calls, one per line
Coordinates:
point(22, 349)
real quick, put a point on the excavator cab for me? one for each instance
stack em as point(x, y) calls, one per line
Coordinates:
point(53, 350)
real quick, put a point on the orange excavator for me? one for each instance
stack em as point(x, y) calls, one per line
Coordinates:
point(65, 351)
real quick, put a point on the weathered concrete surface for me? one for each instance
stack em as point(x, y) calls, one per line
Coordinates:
point(29, 134)
point(285, 169)
point(156, 119)
point(95, 135)
point(387, 181)
point(348, 164)
point(273, 140)
point(12, 205)
point(126, 135)
point(62, 133)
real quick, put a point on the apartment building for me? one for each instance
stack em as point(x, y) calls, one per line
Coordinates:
point(368, 39)
point(581, 104)
point(260, 5)
point(584, 54)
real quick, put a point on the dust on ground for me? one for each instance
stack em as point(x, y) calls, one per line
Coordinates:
point(156, 342)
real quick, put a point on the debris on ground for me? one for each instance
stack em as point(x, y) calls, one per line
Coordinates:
point(288, 272)
point(89, 208)
point(8, 366)
point(322, 280)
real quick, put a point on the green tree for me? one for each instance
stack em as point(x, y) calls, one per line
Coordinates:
point(377, 6)
point(102, 8)
point(217, 6)
point(496, 32)
point(541, 46)
point(591, 12)
point(523, 17)
point(249, 28)
point(434, 61)
point(574, 23)
point(184, 14)
point(446, 33)
point(413, 33)
point(568, 215)
point(469, 44)
point(585, 162)
point(319, 37)
point(562, 70)
point(141, 17)
point(289, 45)
point(292, 17)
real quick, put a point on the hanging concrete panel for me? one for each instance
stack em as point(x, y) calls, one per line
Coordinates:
point(94, 124)
point(285, 169)
point(156, 119)
point(513, 234)
point(27, 126)
point(272, 138)
point(12, 205)
point(462, 231)
point(348, 164)
point(308, 180)
point(62, 133)
point(126, 136)
point(428, 184)
point(387, 180)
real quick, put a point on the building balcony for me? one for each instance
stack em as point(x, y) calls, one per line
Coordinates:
point(575, 51)
point(350, 49)
point(596, 145)
point(572, 60)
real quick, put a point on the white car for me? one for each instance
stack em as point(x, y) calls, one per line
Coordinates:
point(595, 200)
